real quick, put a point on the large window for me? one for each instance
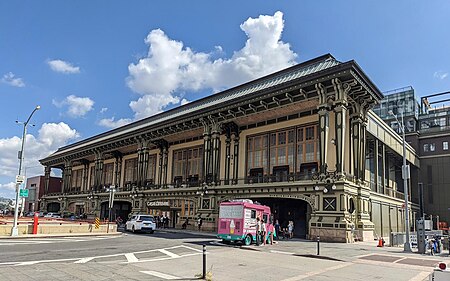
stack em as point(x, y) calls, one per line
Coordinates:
point(187, 164)
point(131, 170)
point(108, 172)
point(91, 180)
point(77, 176)
point(445, 145)
point(151, 168)
point(282, 151)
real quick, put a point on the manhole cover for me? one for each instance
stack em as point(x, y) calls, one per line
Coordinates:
point(381, 258)
point(420, 262)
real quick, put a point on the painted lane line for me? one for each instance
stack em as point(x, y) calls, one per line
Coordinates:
point(41, 261)
point(170, 254)
point(313, 273)
point(165, 258)
point(131, 257)
point(400, 260)
point(85, 260)
point(281, 252)
point(190, 248)
point(421, 276)
point(160, 275)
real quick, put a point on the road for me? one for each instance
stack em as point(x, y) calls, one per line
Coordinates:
point(167, 256)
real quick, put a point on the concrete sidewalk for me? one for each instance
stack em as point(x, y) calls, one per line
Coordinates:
point(60, 235)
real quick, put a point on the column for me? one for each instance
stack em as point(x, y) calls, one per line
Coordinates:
point(165, 162)
point(68, 176)
point(363, 150)
point(160, 166)
point(47, 171)
point(235, 137)
point(227, 157)
point(85, 176)
point(98, 170)
point(145, 156)
point(117, 168)
point(383, 168)
point(356, 123)
point(206, 152)
point(63, 179)
point(340, 112)
point(376, 164)
point(215, 152)
point(139, 167)
point(323, 137)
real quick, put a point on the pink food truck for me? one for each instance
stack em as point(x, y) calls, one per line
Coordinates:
point(237, 220)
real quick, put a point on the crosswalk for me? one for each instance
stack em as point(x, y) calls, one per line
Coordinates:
point(174, 252)
point(29, 241)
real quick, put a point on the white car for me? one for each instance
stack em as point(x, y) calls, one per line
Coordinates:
point(52, 215)
point(144, 223)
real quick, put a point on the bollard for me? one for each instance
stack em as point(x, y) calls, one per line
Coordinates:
point(35, 222)
point(204, 262)
point(318, 245)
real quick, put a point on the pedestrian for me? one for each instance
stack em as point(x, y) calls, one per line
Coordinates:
point(166, 222)
point(185, 224)
point(264, 231)
point(161, 221)
point(291, 229)
point(258, 231)
point(277, 229)
point(200, 222)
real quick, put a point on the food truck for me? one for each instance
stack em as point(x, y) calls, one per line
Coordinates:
point(237, 220)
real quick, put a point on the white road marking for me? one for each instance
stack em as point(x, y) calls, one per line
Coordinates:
point(421, 276)
point(400, 260)
point(313, 273)
point(131, 257)
point(190, 248)
point(170, 254)
point(161, 275)
point(85, 260)
point(281, 252)
point(29, 241)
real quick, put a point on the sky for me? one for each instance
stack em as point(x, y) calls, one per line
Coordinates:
point(96, 65)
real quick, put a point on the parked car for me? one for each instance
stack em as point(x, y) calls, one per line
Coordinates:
point(52, 215)
point(440, 273)
point(144, 223)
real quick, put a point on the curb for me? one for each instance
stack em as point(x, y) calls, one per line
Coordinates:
point(61, 235)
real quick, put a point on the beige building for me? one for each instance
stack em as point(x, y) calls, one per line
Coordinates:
point(303, 140)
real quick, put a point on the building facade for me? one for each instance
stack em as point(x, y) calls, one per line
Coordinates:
point(303, 140)
point(427, 124)
point(35, 186)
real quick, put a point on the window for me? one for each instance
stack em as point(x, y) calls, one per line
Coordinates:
point(77, 178)
point(432, 147)
point(426, 147)
point(131, 170)
point(108, 171)
point(257, 152)
point(151, 167)
point(445, 145)
point(188, 163)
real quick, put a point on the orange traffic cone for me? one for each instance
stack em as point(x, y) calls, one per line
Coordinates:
point(380, 242)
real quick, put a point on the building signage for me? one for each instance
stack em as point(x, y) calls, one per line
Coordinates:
point(23, 193)
point(158, 203)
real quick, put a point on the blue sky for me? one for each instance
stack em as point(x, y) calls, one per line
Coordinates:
point(93, 65)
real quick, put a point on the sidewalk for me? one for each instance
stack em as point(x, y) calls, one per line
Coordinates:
point(60, 235)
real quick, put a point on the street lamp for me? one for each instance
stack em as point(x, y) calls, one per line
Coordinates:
point(19, 178)
point(203, 190)
point(405, 175)
point(111, 190)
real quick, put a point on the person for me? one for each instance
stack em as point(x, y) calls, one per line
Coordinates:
point(185, 224)
point(161, 221)
point(277, 229)
point(258, 231)
point(291, 229)
point(166, 222)
point(264, 232)
point(271, 232)
point(119, 221)
point(200, 222)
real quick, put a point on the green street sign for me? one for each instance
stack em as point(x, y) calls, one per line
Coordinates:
point(23, 193)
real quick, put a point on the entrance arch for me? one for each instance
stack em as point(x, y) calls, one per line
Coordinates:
point(53, 207)
point(120, 209)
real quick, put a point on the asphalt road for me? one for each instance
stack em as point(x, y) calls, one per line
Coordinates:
point(168, 256)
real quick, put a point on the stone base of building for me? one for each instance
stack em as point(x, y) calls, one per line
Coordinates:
point(330, 234)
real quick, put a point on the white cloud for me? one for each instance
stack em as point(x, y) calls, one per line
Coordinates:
point(111, 123)
point(440, 75)
point(103, 110)
point(50, 137)
point(63, 66)
point(171, 68)
point(184, 101)
point(7, 190)
point(76, 106)
point(10, 79)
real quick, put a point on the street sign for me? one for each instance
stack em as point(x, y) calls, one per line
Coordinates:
point(23, 193)
point(20, 179)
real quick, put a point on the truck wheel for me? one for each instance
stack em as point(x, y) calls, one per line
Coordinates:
point(248, 240)
point(224, 241)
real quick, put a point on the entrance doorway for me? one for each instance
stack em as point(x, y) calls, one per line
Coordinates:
point(120, 209)
point(53, 207)
point(285, 210)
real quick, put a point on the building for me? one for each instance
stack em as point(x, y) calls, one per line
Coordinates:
point(303, 140)
point(427, 126)
point(35, 186)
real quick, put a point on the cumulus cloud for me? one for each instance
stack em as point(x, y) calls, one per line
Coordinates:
point(7, 189)
point(170, 68)
point(440, 75)
point(76, 106)
point(11, 79)
point(50, 137)
point(112, 123)
point(63, 67)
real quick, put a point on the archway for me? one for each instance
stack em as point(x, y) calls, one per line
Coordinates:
point(288, 209)
point(120, 209)
point(53, 207)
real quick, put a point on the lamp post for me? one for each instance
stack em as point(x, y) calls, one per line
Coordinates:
point(19, 178)
point(111, 190)
point(203, 190)
point(405, 175)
